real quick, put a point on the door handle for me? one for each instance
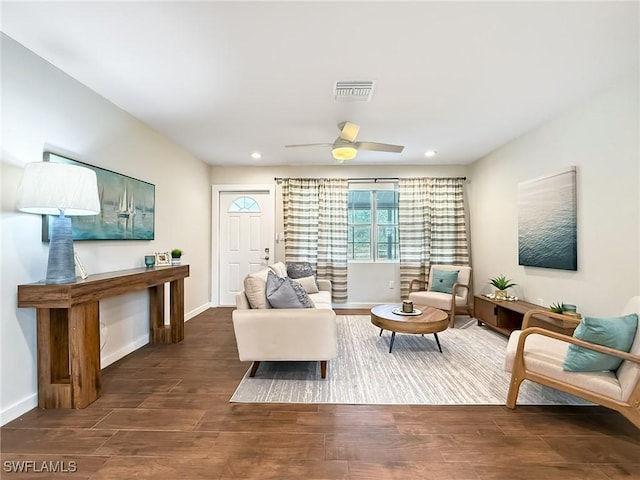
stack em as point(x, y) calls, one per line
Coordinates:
point(266, 254)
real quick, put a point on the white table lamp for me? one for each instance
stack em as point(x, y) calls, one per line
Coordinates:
point(63, 190)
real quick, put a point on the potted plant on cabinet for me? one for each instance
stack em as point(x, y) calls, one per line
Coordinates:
point(501, 283)
point(176, 253)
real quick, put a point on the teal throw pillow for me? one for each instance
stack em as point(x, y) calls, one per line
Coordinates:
point(443, 280)
point(618, 333)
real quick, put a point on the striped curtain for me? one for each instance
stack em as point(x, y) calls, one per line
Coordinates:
point(432, 226)
point(315, 223)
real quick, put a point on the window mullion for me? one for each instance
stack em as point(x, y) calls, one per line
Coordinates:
point(374, 227)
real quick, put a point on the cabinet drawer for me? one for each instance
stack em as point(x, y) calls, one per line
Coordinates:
point(485, 311)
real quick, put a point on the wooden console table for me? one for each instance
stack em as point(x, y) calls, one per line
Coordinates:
point(506, 316)
point(68, 322)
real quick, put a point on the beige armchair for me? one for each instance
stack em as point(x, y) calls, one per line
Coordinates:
point(455, 303)
point(537, 355)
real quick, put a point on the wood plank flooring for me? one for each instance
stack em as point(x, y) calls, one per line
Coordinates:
point(165, 414)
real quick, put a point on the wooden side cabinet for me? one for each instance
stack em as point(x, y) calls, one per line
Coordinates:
point(506, 316)
point(68, 323)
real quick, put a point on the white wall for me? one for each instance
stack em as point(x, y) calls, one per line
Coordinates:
point(368, 283)
point(44, 109)
point(600, 137)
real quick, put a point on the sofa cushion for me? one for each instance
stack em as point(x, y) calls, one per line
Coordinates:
point(322, 299)
point(617, 333)
point(286, 293)
point(443, 280)
point(255, 286)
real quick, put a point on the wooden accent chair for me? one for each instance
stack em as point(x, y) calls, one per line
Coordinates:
point(537, 355)
point(458, 302)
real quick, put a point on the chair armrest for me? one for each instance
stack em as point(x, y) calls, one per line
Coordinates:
point(417, 282)
point(575, 341)
point(547, 313)
point(456, 286)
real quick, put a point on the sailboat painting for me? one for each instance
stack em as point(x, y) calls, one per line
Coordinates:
point(127, 207)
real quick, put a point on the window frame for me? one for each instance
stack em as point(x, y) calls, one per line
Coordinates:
point(373, 189)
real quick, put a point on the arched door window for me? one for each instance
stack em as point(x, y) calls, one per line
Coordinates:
point(244, 204)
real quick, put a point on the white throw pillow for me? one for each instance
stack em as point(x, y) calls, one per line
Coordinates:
point(279, 268)
point(309, 284)
point(255, 288)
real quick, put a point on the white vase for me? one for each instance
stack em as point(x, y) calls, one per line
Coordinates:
point(175, 261)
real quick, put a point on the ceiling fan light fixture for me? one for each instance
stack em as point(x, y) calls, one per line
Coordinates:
point(343, 153)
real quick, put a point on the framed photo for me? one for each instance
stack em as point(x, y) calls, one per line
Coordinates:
point(547, 221)
point(162, 258)
point(127, 207)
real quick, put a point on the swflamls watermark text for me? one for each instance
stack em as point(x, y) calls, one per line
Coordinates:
point(33, 466)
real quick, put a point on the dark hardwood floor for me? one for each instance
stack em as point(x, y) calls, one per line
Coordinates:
point(165, 414)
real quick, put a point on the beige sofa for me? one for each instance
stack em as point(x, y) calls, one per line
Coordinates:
point(284, 334)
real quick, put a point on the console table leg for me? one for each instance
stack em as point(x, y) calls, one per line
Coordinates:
point(156, 314)
point(84, 354)
point(69, 356)
point(54, 390)
point(176, 319)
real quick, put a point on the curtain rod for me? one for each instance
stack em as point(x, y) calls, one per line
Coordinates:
point(375, 180)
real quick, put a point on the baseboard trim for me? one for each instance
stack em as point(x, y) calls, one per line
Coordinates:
point(19, 408)
point(124, 351)
point(356, 305)
point(196, 311)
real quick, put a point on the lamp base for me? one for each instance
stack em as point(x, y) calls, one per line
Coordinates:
point(61, 267)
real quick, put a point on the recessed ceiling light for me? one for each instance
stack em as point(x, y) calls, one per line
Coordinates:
point(256, 155)
point(430, 153)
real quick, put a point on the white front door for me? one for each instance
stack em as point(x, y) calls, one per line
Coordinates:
point(246, 239)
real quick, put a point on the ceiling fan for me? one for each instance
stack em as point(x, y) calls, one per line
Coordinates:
point(345, 146)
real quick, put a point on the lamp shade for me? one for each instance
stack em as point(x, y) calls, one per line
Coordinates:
point(49, 188)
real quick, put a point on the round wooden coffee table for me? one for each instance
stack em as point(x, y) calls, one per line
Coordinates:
point(431, 320)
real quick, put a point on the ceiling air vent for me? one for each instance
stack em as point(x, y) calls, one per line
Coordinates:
point(353, 91)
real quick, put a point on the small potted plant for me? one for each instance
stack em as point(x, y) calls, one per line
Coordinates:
point(176, 253)
point(557, 307)
point(501, 283)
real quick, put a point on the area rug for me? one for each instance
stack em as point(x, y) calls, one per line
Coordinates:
point(469, 371)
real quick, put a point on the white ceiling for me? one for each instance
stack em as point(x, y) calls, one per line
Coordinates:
point(224, 79)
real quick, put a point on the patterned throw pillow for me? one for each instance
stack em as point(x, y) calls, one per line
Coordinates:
point(299, 269)
point(286, 293)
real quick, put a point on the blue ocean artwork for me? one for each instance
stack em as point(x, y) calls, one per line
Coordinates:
point(127, 207)
point(547, 222)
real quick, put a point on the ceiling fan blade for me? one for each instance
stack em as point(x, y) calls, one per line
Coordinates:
point(379, 147)
point(310, 145)
point(348, 131)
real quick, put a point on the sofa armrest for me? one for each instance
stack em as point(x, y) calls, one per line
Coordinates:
point(286, 334)
point(324, 285)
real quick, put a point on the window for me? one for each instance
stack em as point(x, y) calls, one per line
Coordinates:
point(373, 225)
point(244, 204)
